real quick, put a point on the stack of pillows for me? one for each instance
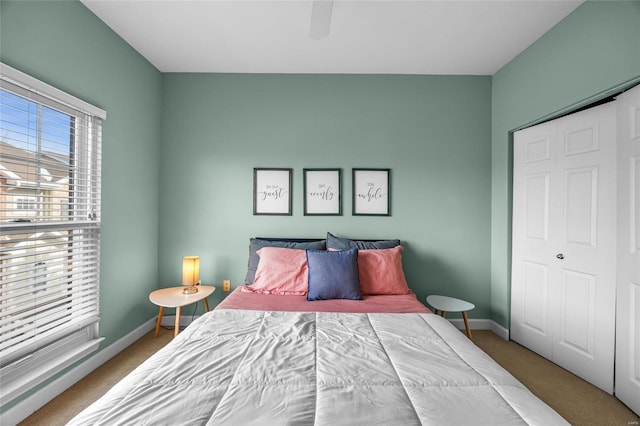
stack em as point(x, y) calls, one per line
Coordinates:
point(335, 268)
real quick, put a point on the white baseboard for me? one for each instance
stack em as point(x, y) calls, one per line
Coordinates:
point(34, 402)
point(483, 324)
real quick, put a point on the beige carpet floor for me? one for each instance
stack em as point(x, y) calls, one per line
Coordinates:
point(576, 400)
point(579, 402)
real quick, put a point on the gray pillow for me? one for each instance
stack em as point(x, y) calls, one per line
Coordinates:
point(256, 244)
point(338, 243)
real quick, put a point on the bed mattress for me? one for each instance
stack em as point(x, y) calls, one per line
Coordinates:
point(251, 367)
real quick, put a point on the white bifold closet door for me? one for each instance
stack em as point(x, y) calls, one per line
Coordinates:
point(563, 294)
point(628, 313)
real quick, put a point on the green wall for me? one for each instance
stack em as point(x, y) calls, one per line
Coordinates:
point(66, 46)
point(432, 131)
point(595, 48)
point(179, 150)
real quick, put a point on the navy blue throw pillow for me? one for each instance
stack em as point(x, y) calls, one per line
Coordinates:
point(333, 275)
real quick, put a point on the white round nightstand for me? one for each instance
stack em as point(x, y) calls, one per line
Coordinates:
point(446, 304)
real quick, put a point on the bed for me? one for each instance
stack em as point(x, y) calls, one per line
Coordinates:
point(271, 356)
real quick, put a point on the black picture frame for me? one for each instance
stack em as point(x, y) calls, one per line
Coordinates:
point(322, 192)
point(272, 191)
point(371, 192)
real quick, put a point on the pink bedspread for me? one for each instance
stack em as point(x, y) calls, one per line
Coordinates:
point(401, 304)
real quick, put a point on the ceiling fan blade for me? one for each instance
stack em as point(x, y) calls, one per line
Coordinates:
point(320, 18)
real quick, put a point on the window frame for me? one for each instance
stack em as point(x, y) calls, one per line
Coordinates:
point(78, 334)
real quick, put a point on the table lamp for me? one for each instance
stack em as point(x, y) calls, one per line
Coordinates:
point(190, 273)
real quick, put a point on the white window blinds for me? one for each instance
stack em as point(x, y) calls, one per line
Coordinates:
point(50, 151)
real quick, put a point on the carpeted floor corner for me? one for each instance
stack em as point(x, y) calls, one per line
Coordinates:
point(579, 402)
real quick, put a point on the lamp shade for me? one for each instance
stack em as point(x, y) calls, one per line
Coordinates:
point(190, 270)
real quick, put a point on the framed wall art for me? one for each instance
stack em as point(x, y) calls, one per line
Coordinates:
point(322, 189)
point(371, 192)
point(272, 191)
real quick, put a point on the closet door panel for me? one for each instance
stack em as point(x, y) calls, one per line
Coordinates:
point(537, 207)
point(585, 341)
point(580, 139)
point(577, 313)
point(564, 223)
point(580, 206)
point(576, 347)
point(634, 180)
point(532, 228)
point(536, 282)
point(627, 375)
point(634, 307)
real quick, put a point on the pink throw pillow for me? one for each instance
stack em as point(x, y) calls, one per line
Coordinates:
point(380, 271)
point(281, 271)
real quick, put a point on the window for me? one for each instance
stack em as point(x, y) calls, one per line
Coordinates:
point(50, 149)
point(25, 203)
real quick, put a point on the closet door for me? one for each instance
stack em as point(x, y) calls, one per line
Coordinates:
point(535, 228)
point(628, 304)
point(564, 242)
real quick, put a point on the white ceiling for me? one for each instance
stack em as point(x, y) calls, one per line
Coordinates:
point(370, 37)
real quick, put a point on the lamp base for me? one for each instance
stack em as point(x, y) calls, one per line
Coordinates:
point(190, 290)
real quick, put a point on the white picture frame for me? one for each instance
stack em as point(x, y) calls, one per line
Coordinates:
point(272, 191)
point(371, 192)
point(322, 192)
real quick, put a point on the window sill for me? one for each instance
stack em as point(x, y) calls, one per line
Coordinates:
point(21, 377)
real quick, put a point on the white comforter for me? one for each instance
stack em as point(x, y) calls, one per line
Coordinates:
point(236, 367)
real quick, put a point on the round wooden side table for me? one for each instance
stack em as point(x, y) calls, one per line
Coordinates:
point(173, 297)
